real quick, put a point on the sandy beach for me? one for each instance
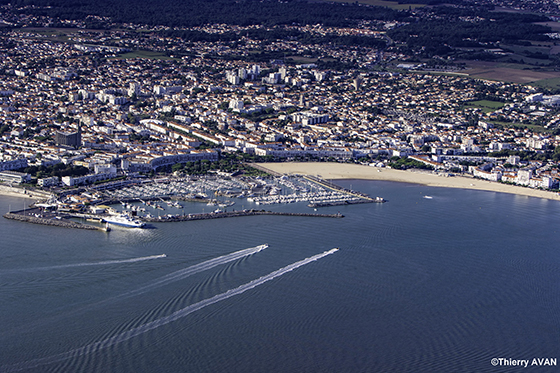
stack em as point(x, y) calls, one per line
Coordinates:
point(354, 171)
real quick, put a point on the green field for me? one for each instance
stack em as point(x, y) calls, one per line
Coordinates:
point(60, 35)
point(301, 59)
point(145, 54)
point(532, 127)
point(487, 106)
point(553, 83)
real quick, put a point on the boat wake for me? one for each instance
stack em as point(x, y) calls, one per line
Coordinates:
point(165, 280)
point(106, 262)
point(122, 337)
point(197, 268)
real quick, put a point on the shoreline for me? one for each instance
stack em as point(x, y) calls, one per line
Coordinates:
point(348, 171)
point(16, 192)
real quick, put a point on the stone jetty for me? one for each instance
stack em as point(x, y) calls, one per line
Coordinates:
point(232, 214)
point(50, 221)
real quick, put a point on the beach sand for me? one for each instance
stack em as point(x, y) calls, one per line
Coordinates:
point(333, 171)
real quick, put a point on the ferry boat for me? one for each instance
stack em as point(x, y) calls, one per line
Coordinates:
point(124, 221)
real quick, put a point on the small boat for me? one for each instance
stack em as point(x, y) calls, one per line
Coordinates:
point(428, 197)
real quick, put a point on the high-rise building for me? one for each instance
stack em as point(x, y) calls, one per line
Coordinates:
point(134, 89)
point(357, 83)
point(73, 139)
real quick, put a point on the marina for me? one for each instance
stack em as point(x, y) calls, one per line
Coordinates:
point(170, 199)
point(212, 190)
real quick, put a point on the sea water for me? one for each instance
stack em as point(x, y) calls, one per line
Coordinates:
point(420, 285)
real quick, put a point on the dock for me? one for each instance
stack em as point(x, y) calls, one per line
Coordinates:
point(52, 221)
point(62, 220)
point(233, 214)
point(327, 184)
point(344, 203)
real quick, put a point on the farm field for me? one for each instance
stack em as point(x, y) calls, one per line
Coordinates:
point(514, 73)
point(145, 54)
point(487, 106)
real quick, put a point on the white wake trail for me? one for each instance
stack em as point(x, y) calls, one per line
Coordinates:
point(122, 337)
point(172, 277)
point(122, 261)
point(194, 269)
point(89, 264)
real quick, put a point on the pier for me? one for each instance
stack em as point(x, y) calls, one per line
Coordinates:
point(232, 214)
point(344, 203)
point(337, 188)
point(62, 220)
point(55, 221)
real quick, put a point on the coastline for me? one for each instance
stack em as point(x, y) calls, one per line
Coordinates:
point(16, 192)
point(334, 171)
point(348, 171)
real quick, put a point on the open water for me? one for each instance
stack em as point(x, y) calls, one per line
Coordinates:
point(417, 285)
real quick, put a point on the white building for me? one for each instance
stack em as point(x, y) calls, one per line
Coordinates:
point(87, 179)
point(13, 164)
point(48, 181)
point(236, 104)
point(14, 177)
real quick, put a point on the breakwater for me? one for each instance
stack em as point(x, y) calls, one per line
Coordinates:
point(64, 223)
point(343, 203)
point(58, 221)
point(232, 214)
point(327, 184)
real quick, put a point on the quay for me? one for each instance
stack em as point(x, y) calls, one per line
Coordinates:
point(344, 203)
point(327, 184)
point(232, 214)
point(62, 220)
point(54, 220)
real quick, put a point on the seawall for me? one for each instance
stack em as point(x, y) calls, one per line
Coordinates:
point(231, 214)
point(52, 222)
